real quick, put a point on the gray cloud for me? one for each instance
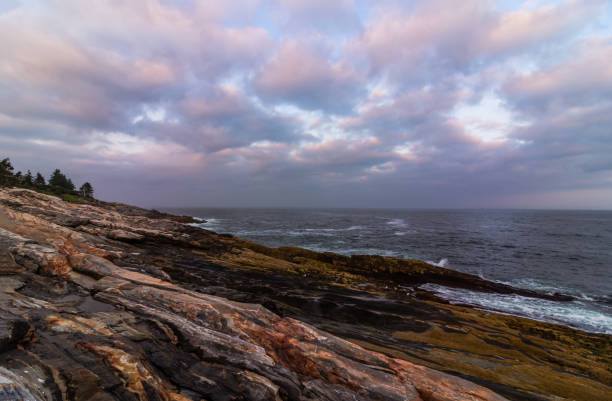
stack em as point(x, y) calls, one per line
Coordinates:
point(317, 16)
point(435, 38)
point(302, 76)
point(582, 79)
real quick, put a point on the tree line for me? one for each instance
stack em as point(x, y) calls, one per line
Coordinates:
point(58, 183)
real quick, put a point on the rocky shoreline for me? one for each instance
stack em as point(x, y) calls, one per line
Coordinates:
point(106, 301)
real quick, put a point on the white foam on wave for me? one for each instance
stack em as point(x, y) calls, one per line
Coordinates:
point(207, 220)
point(574, 314)
point(351, 228)
point(281, 232)
point(397, 223)
point(327, 232)
point(442, 263)
point(205, 223)
point(537, 285)
point(541, 286)
point(352, 251)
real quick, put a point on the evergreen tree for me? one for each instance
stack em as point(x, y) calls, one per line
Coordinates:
point(6, 173)
point(86, 190)
point(59, 183)
point(39, 181)
point(28, 180)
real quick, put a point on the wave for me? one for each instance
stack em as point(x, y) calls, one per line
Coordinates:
point(404, 232)
point(278, 232)
point(537, 285)
point(205, 222)
point(442, 263)
point(351, 228)
point(327, 232)
point(351, 251)
point(540, 286)
point(397, 223)
point(573, 314)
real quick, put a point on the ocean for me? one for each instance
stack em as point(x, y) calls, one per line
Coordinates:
point(551, 251)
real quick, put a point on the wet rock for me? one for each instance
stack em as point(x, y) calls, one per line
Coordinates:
point(11, 388)
point(35, 257)
point(13, 330)
point(135, 375)
point(126, 236)
point(9, 284)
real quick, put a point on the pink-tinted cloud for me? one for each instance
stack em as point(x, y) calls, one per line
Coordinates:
point(300, 75)
point(437, 36)
point(515, 30)
point(297, 16)
point(584, 78)
point(405, 110)
point(397, 37)
point(50, 77)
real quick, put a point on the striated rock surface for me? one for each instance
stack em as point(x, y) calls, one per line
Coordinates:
point(108, 302)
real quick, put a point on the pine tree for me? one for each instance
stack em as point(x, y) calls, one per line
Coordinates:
point(28, 180)
point(57, 178)
point(86, 190)
point(6, 173)
point(59, 183)
point(39, 181)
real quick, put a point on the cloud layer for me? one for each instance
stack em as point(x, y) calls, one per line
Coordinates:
point(314, 103)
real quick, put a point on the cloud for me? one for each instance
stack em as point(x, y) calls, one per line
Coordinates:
point(312, 103)
point(583, 79)
point(345, 153)
point(48, 77)
point(569, 108)
point(302, 76)
point(318, 16)
point(404, 111)
point(226, 118)
point(436, 38)
point(515, 30)
point(433, 33)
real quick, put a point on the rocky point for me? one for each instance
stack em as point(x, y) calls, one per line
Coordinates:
point(105, 301)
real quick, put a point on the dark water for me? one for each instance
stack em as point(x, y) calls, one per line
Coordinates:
point(563, 251)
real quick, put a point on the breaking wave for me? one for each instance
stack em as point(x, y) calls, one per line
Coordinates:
point(397, 223)
point(576, 314)
point(442, 263)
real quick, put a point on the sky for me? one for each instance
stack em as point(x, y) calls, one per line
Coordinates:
point(313, 103)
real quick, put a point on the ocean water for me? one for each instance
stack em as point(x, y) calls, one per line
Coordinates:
point(551, 251)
